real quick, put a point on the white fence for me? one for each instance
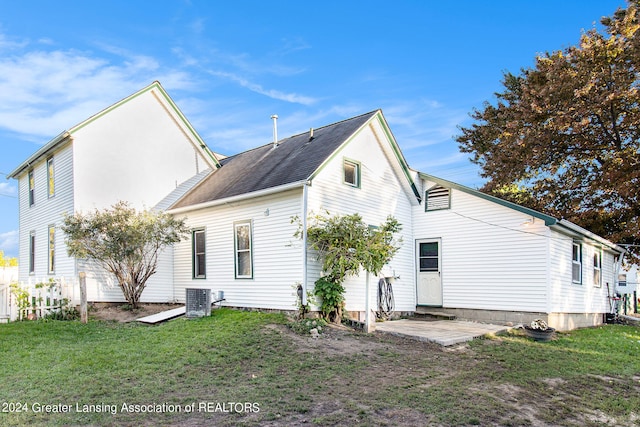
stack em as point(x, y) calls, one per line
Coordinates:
point(7, 276)
point(30, 301)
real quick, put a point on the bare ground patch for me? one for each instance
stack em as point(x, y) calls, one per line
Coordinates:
point(123, 313)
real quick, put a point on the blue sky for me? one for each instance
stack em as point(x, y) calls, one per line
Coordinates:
point(231, 65)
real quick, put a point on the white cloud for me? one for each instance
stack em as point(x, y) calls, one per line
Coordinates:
point(44, 92)
point(7, 44)
point(9, 243)
point(271, 93)
point(424, 123)
point(6, 189)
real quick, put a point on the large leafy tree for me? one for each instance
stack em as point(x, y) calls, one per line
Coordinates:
point(123, 241)
point(564, 135)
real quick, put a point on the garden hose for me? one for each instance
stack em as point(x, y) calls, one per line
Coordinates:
point(385, 299)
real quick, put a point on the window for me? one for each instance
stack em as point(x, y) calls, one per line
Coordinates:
point(437, 198)
point(32, 187)
point(244, 257)
point(576, 264)
point(597, 269)
point(51, 189)
point(351, 173)
point(622, 279)
point(429, 257)
point(32, 252)
point(52, 248)
point(199, 258)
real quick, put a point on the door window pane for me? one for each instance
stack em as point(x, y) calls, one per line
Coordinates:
point(429, 258)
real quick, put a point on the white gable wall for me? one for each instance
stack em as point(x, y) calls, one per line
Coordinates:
point(138, 150)
point(490, 259)
point(135, 152)
point(277, 255)
point(380, 194)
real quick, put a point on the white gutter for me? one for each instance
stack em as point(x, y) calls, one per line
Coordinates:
point(305, 193)
point(38, 154)
point(239, 197)
point(586, 233)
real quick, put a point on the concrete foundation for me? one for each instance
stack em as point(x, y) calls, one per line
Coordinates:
point(559, 321)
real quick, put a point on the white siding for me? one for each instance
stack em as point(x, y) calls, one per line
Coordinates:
point(381, 194)
point(569, 297)
point(490, 259)
point(277, 256)
point(139, 151)
point(102, 286)
point(135, 152)
point(46, 211)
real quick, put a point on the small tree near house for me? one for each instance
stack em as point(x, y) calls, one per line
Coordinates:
point(346, 245)
point(124, 242)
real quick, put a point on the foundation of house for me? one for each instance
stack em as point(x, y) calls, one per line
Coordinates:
point(559, 321)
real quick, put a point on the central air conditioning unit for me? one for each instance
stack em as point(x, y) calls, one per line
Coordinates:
point(198, 302)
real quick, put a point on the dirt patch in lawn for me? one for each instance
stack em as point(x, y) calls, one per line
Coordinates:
point(124, 313)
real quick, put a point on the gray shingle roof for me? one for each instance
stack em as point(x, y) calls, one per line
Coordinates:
point(295, 159)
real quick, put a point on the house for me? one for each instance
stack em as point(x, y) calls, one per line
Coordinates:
point(138, 150)
point(242, 234)
point(463, 251)
point(500, 262)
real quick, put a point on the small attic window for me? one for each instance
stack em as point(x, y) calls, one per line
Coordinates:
point(437, 198)
point(351, 173)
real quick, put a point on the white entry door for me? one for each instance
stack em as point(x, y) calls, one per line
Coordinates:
point(429, 286)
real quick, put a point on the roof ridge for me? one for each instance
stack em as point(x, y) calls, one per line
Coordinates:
point(281, 141)
point(337, 123)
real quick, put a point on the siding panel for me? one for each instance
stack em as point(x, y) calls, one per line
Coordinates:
point(381, 194)
point(277, 256)
point(490, 260)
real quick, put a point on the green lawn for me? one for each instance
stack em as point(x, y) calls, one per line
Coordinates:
point(247, 368)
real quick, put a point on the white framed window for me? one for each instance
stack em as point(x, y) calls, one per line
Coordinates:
point(437, 198)
point(351, 175)
point(52, 249)
point(243, 250)
point(51, 187)
point(622, 279)
point(597, 268)
point(199, 254)
point(32, 188)
point(576, 263)
point(32, 252)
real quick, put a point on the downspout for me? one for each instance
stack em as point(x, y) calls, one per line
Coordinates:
point(305, 192)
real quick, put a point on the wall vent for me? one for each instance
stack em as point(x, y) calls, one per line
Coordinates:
point(437, 198)
point(198, 302)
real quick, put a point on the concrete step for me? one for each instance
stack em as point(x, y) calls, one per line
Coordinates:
point(430, 313)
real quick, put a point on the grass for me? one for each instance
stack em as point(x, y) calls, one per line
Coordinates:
point(194, 372)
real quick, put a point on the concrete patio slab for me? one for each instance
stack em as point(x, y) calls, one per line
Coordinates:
point(443, 332)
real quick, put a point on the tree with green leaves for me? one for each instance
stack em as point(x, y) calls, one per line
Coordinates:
point(123, 241)
point(346, 245)
point(7, 261)
point(564, 135)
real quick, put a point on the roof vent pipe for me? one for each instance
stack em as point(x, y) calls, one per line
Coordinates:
point(310, 134)
point(275, 130)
